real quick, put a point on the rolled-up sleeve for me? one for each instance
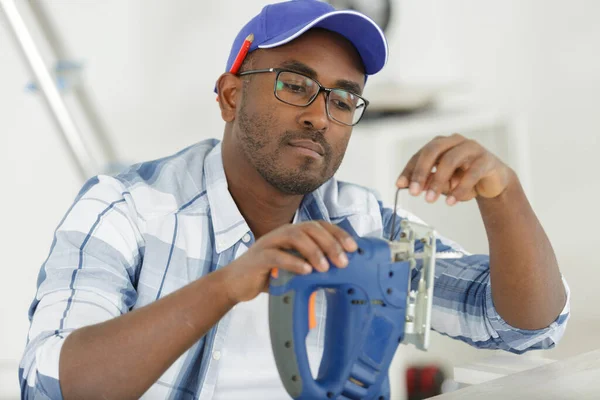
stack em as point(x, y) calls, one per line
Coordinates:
point(462, 300)
point(463, 309)
point(88, 277)
point(520, 340)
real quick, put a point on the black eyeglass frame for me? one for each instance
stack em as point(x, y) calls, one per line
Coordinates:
point(321, 89)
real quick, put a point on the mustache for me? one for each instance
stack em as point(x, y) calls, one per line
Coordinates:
point(314, 135)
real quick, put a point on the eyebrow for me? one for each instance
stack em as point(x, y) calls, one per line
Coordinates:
point(304, 69)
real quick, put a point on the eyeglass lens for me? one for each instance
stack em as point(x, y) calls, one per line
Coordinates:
point(299, 90)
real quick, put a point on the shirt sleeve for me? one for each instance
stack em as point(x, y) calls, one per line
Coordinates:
point(462, 299)
point(89, 277)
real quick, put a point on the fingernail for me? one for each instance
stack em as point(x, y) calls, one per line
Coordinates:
point(343, 259)
point(415, 188)
point(324, 263)
point(350, 244)
point(402, 182)
point(307, 268)
point(430, 195)
point(451, 200)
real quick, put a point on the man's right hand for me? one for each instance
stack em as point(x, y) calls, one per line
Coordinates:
point(316, 241)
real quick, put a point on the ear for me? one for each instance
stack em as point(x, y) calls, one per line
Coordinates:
point(229, 87)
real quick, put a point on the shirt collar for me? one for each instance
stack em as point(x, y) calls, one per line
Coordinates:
point(228, 223)
point(313, 207)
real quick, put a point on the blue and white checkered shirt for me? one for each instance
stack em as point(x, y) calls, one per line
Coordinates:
point(131, 239)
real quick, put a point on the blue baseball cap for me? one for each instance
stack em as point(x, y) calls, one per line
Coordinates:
point(280, 23)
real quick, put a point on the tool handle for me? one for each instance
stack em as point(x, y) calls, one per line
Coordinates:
point(364, 325)
point(290, 353)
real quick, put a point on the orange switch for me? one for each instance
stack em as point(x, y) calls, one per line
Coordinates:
point(312, 315)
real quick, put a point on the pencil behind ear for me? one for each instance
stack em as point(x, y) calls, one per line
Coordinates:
point(241, 56)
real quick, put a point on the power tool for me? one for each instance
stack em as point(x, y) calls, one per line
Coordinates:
point(371, 309)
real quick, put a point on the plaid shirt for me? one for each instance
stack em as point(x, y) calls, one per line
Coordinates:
point(131, 239)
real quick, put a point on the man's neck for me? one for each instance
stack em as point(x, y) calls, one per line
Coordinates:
point(263, 207)
point(263, 213)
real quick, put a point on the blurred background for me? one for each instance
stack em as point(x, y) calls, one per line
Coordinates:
point(137, 77)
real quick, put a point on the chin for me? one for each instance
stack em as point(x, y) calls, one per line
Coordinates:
point(296, 185)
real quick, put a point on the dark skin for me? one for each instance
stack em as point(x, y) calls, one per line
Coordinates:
point(267, 205)
point(122, 357)
point(526, 286)
point(265, 145)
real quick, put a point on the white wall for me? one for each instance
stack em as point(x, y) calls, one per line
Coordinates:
point(151, 66)
point(538, 60)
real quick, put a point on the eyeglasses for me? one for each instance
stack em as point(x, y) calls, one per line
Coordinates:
point(297, 89)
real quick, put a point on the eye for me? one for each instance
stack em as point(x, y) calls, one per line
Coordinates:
point(343, 100)
point(341, 105)
point(294, 87)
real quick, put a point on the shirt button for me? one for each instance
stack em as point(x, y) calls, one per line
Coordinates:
point(216, 355)
point(246, 238)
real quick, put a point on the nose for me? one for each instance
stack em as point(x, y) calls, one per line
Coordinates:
point(315, 116)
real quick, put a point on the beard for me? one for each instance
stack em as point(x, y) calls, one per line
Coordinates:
point(258, 140)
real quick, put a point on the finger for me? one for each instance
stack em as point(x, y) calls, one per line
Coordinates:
point(449, 186)
point(277, 258)
point(457, 157)
point(403, 180)
point(454, 181)
point(327, 242)
point(345, 239)
point(296, 238)
point(428, 158)
point(430, 180)
point(465, 190)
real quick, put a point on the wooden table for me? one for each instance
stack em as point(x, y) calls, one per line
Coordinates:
point(573, 378)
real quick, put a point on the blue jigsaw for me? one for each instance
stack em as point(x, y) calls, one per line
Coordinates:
point(371, 309)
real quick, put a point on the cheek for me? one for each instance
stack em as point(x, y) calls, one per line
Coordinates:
point(256, 109)
point(341, 143)
point(262, 123)
point(274, 120)
point(271, 121)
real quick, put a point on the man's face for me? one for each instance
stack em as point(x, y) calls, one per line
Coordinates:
point(296, 149)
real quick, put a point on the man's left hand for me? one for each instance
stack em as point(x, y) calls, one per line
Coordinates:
point(457, 167)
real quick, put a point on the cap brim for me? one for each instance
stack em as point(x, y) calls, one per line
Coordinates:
point(361, 31)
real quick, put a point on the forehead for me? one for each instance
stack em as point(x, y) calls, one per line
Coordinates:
point(329, 54)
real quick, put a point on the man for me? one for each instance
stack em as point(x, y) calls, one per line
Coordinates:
point(155, 281)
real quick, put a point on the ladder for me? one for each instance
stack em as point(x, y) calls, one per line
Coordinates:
point(88, 160)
